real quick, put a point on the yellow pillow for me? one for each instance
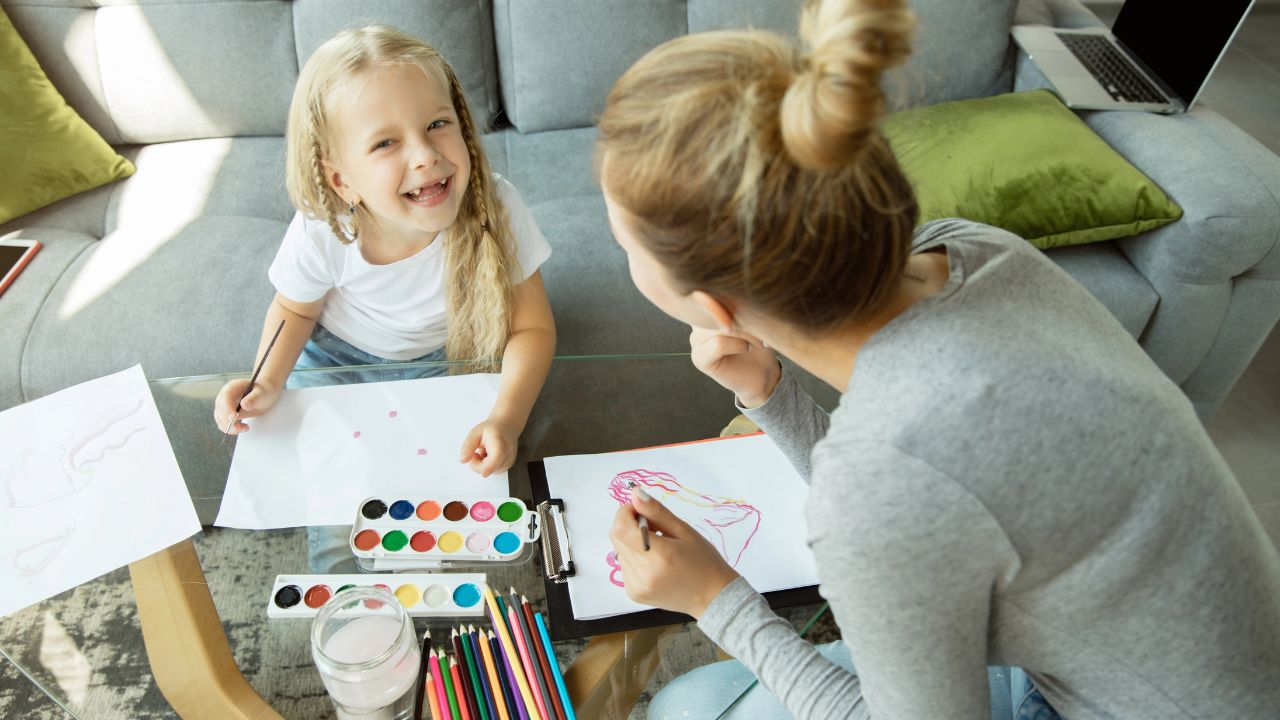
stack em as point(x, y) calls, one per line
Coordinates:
point(47, 151)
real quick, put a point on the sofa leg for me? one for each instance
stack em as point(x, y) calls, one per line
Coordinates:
point(186, 645)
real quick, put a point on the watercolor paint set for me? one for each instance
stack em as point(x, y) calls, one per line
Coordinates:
point(427, 595)
point(399, 533)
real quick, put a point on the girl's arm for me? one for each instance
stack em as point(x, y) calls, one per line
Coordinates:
point(491, 445)
point(299, 321)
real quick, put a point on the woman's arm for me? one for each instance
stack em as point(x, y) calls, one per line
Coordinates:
point(792, 420)
point(491, 445)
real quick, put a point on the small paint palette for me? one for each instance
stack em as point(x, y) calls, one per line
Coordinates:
point(428, 532)
point(421, 594)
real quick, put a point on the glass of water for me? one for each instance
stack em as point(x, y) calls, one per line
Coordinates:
point(363, 644)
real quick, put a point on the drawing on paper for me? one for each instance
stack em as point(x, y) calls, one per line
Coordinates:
point(615, 572)
point(727, 523)
point(44, 476)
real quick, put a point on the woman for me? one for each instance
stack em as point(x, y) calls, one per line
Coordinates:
point(1008, 480)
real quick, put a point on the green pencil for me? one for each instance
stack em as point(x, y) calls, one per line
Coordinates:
point(470, 661)
point(448, 684)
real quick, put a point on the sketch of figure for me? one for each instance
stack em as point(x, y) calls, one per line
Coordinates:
point(727, 523)
point(44, 476)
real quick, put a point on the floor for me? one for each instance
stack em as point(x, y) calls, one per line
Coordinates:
point(1246, 89)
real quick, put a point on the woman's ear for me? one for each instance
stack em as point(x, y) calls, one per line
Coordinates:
point(720, 311)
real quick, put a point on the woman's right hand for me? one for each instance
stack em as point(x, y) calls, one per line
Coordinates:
point(738, 362)
point(256, 403)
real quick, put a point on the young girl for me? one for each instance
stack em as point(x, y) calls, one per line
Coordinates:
point(405, 246)
point(1008, 480)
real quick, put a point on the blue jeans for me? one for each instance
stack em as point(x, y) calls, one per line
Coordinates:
point(328, 551)
point(707, 691)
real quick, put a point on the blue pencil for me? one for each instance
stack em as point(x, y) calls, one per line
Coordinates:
point(486, 693)
point(506, 679)
point(555, 666)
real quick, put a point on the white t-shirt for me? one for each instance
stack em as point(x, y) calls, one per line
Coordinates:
point(395, 311)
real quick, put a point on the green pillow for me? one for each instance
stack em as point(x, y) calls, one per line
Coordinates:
point(47, 151)
point(1024, 162)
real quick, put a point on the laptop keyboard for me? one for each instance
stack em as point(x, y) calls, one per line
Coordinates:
point(1111, 68)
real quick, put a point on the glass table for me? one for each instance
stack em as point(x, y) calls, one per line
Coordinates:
point(184, 632)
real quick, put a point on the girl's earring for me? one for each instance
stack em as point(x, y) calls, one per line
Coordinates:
point(351, 208)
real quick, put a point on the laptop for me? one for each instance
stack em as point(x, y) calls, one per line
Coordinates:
point(1157, 57)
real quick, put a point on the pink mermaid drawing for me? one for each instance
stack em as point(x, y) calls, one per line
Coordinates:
point(727, 523)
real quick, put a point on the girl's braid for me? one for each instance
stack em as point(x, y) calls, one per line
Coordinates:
point(323, 195)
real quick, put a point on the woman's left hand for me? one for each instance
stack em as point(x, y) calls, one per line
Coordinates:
point(681, 571)
point(490, 447)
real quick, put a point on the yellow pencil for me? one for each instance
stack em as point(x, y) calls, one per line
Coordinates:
point(513, 662)
point(491, 671)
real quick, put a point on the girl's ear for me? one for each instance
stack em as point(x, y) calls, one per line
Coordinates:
point(334, 178)
point(720, 311)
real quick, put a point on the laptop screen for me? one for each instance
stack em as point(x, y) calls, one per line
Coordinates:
point(1180, 41)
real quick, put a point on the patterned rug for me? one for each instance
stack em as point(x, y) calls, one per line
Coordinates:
point(84, 647)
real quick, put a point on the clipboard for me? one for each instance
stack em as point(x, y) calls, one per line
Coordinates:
point(558, 566)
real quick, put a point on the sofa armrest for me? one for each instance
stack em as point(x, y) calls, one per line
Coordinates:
point(1217, 270)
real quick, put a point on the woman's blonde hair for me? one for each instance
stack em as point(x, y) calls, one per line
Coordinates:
point(478, 247)
point(755, 170)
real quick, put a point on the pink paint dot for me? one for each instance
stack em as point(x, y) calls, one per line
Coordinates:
point(393, 413)
point(355, 434)
point(422, 451)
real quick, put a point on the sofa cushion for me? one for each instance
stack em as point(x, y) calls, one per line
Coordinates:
point(1105, 273)
point(47, 151)
point(962, 48)
point(24, 300)
point(558, 58)
point(461, 31)
point(1024, 162)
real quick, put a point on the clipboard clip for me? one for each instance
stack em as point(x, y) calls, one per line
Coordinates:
point(557, 561)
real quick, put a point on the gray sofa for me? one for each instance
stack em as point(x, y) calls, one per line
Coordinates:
point(168, 267)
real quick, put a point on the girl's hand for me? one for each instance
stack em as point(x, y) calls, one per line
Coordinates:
point(681, 571)
point(490, 447)
point(740, 363)
point(256, 403)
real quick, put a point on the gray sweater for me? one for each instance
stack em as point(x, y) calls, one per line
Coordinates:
point(1010, 480)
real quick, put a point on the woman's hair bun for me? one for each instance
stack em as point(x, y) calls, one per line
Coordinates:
point(835, 101)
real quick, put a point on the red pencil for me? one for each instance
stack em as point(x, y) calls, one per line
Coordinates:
point(457, 684)
point(543, 663)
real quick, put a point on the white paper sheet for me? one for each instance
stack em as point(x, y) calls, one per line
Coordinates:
point(88, 483)
point(741, 493)
point(320, 450)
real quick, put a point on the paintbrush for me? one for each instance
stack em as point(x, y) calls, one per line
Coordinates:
point(252, 379)
point(644, 521)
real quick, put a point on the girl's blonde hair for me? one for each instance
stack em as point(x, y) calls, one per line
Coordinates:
point(755, 170)
point(478, 249)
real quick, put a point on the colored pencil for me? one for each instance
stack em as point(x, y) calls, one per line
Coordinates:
point(555, 667)
point(502, 610)
point(437, 676)
point(482, 681)
point(448, 685)
point(458, 687)
point(534, 685)
point(465, 657)
point(420, 699)
point(535, 669)
point(509, 650)
point(540, 661)
point(499, 700)
point(512, 690)
point(433, 702)
point(466, 691)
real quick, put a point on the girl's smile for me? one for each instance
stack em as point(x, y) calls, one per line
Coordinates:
point(429, 195)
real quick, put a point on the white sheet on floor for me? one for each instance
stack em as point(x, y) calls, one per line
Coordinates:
point(740, 493)
point(88, 484)
point(321, 450)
